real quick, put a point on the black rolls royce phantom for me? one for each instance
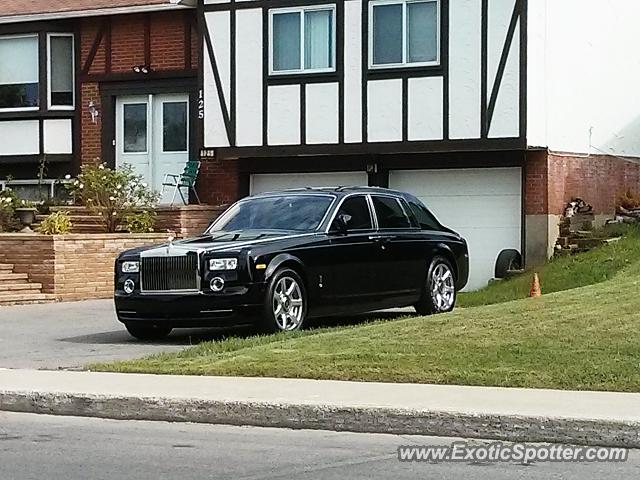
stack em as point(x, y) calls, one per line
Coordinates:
point(278, 259)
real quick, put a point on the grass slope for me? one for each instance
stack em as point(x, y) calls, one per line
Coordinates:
point(586, 338)
point(566, 272)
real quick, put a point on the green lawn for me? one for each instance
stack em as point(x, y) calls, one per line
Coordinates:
point(585, 338)
point(567, 272)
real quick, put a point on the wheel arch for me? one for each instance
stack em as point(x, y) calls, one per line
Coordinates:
point(289, 261)
point(443, 250)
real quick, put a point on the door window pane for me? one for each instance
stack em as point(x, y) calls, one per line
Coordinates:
point(357, 213)
point(135, 128)
point(387, 34)
point(390, 213)
point(174, 127)
point(61, 65)
point(19, 72)
point(286, 41)
point(422, 32)
point(318, 39)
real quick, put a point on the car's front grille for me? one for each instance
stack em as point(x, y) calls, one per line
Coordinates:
point(164, 274)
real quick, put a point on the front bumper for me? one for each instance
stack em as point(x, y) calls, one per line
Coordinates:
point(239, 306)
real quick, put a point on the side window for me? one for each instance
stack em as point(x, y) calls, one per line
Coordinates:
point(356, 210)
point(426, 220)
point(390, 213)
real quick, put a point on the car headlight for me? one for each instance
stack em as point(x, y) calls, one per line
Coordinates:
point(130, 267)
point(223, 264)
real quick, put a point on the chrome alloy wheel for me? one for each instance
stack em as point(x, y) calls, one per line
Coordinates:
point(288, 304)
point(443, 290)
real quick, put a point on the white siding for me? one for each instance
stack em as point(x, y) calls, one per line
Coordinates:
point(385, 110)
point(58, 137)
point(322, 113)
point(249, 77)
point(465, 60)
point(284, 115)
point(269, 182)
point(353, 72)
point(425, 108)
point(506, 114)
point(20, 137)
point(215, 134)
point(592, 67)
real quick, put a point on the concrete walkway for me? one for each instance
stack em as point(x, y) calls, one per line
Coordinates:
point(591, 418)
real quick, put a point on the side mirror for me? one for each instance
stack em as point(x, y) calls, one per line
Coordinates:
point(340, 223)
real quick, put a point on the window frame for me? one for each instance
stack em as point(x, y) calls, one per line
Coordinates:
point(26, 109)
point(404, 64)
point(302, 11)
point(367, 200)
point(50, 106)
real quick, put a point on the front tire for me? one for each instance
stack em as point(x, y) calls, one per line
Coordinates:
point(148, 332)
point(439, 291)
point(285, 308)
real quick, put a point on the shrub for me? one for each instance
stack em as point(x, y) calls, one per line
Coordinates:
point(628, 200)
point(58, 223)
point(8, 203)
point(112, 194)
point(141, 222)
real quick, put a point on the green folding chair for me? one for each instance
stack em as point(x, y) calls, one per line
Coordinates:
point(186, 180)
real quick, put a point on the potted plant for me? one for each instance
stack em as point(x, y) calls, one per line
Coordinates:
point(26, 213)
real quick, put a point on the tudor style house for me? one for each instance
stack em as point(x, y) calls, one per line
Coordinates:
point(494, 112)
point(105, 80)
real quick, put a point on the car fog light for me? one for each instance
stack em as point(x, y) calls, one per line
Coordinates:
point(129, 286)
point(217, 284)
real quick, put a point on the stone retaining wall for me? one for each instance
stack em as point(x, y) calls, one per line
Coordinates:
point(71, 267)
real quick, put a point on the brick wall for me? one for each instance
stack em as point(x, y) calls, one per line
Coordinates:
point(552, 180)
point(71, 267)
point(186, 221)
point(168, 34)
point(219, 181)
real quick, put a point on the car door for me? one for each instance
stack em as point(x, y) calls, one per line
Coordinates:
point(350, 261)
point(401, 250)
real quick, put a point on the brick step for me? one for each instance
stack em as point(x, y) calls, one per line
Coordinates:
point(13, 277)
point(25, 298)
point(76, 218)
point(13, 287)
point(6, 267)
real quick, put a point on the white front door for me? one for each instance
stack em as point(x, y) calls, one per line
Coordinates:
point(152, 135)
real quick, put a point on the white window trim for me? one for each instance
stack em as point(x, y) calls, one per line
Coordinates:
point(24, 109)
point(302, 11)
point(404, 63)
point(73, 66)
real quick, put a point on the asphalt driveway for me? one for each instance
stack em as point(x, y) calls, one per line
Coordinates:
point(73, 334)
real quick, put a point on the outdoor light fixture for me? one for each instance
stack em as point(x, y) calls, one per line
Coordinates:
point(143, 69)
point(93, 111)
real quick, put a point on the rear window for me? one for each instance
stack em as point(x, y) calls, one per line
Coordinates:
point(390, 213)
point(424, 217)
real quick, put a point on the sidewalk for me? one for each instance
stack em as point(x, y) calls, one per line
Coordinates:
point(510, 414)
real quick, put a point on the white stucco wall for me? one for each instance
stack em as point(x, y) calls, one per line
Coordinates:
point(583, 76)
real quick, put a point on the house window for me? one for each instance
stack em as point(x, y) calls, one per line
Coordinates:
point(302, 40)
point(404, 33)
point(61, 70)
point(19, 89)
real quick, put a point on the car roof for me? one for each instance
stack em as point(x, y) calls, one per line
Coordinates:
point(339, 191)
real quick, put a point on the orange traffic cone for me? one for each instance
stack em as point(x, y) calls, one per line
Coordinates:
point(535, 287)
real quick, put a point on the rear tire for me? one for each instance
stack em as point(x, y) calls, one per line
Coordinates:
point(285, 304)
point(439, 291)
point(148, 331)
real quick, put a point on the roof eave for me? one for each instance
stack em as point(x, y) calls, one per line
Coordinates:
point(41, 17)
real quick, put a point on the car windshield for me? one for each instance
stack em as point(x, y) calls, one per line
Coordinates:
point(301, 213)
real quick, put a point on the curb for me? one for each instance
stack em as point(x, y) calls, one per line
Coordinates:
point(509, 428)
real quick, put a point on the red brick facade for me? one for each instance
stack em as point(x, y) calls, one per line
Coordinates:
point(219, 182)
point(169, 40)
point(552, 180)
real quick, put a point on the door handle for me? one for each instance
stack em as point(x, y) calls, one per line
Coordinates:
point(381, 238)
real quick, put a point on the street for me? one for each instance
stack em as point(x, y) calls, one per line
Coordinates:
point(71, 335)
point(33, 447)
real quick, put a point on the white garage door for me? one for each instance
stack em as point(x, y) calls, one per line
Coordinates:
point(268, 182)
point(482, 204)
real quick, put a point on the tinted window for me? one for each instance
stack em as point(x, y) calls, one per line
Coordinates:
point(287, 212)
point(390, 213)
point(426, 220)
point(356, 210)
